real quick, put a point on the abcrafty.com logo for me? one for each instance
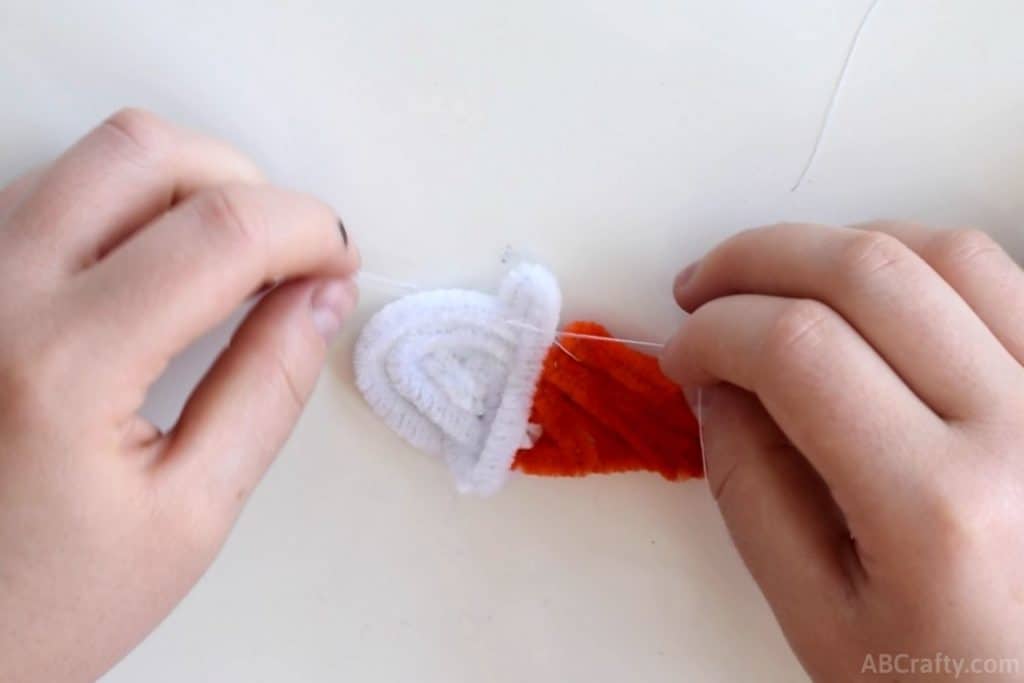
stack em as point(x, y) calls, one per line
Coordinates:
point(887, 663)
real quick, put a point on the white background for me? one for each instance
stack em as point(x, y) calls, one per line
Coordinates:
point(612, 141)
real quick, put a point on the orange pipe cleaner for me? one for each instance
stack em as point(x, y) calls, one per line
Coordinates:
point(608, 408)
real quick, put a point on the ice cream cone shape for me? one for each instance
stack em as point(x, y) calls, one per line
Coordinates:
point(480, 381)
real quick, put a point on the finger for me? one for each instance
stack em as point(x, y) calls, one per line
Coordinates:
point(915, 320)
point(831, 394)
point(128, 170)
point(244, 409)
point(779, 513)
point(193, 266)
point(978, 268)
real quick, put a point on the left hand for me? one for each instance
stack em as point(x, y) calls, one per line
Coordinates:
point(113, 259)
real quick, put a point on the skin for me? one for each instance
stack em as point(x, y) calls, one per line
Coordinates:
point(116, 256)
point(860, 392)
point(862, 398)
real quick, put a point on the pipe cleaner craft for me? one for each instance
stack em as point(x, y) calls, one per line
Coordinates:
point(480, 381)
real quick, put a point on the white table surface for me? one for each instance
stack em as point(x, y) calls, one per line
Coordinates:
point(612, 141)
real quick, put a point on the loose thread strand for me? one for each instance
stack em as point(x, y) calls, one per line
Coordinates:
point(566, 351)
point(385, 280)
point(592, 337)
point(700, 434)
point(827, 118)
point(375, 278)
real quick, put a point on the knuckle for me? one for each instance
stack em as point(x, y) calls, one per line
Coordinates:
point(800, 329)
point(956, 522)
point(957, 248)
point(226, 211)
point(964, 514)
point(867, 253)
point(136, 133)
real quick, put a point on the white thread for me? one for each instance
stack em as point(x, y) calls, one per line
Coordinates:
point(827, 118)
point(700, 434)
point(592, 337)
point(385, 280)
point(402, 284)
point(565, 350)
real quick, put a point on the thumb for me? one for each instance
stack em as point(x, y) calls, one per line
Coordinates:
point(777, 509)
point(244, 409)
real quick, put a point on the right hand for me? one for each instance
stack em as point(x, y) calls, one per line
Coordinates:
point(863, 417)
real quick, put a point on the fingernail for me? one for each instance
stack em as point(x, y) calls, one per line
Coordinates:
point(685, 275)
point(344, 233)
point(331, 303)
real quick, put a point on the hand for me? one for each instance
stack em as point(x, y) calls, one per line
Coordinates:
point(116, 257)
point(863, 414)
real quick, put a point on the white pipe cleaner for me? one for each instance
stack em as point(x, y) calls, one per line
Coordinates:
point(447, 371)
